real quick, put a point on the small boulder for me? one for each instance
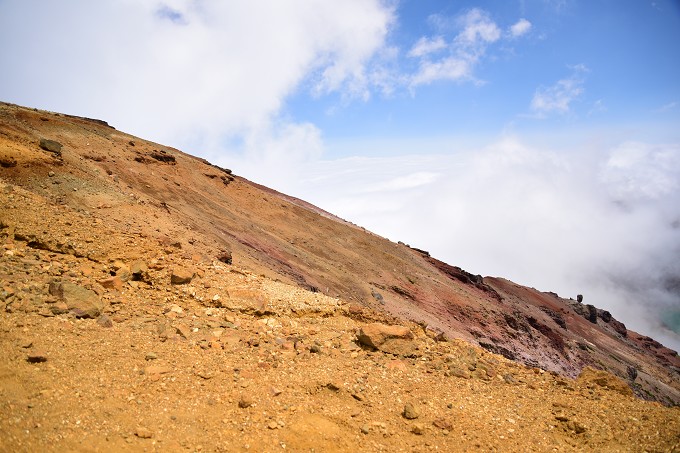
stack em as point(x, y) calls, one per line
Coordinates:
point(143, 433)
point(51, 146)
point(82, 302)
point(245, 401)
point(140, 271)
point(410, 411)
point(104, 321)
point(36, 356)
point(121, 270)
point(181, 276)
point(225, 257)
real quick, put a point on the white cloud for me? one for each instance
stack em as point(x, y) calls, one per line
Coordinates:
point(475, 31)
point(452, 69)
point(559, 97)
point(477, 28)
point(594, 221)
point(425, 46)
point(520, 28)
point(188, 73)
point(639, 172)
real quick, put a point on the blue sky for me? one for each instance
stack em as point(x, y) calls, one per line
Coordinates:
point(603, 64)
point(537, 140)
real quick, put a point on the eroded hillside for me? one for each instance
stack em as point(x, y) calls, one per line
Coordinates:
point(154, 301)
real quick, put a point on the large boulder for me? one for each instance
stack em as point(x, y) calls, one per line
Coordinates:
point(396, 340)
point(82, 302)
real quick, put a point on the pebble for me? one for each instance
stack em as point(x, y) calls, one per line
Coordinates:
point(143, 433)
point(418, 429)
point(157, 369)
point(410, 411)
point(335, 386)
point(245, 401)
point(104, 321)
point(183, 330)
point(36, 356)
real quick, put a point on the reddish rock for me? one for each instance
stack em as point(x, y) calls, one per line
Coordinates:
point(397, 340)
point(225, 257)
point(443, 423)
point(376, 334)
point(112, 283)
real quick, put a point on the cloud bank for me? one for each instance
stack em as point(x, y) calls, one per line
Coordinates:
point(194, 74)
point(599, 222)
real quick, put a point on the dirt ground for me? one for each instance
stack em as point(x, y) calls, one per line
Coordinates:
point(235, 361)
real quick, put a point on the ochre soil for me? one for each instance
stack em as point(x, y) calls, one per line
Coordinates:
point(245, 356)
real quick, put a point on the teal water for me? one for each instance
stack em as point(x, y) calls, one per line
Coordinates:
point(671, 319)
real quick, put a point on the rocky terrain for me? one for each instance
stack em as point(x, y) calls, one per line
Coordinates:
point(151, 301)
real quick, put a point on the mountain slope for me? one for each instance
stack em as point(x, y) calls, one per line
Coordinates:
point(162, 193)
point(278, 290)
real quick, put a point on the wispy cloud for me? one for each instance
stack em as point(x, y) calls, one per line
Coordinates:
point(477, 29)
point(667, 107)
point(560, 96)
point(455, 59)
point(597, 107)
point(520, 28)
point(426, 45)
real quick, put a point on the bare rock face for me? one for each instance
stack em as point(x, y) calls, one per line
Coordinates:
point(590, 376)
point(82, 302)
point(397, 340)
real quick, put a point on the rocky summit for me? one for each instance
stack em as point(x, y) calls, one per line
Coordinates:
point(152, 301)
